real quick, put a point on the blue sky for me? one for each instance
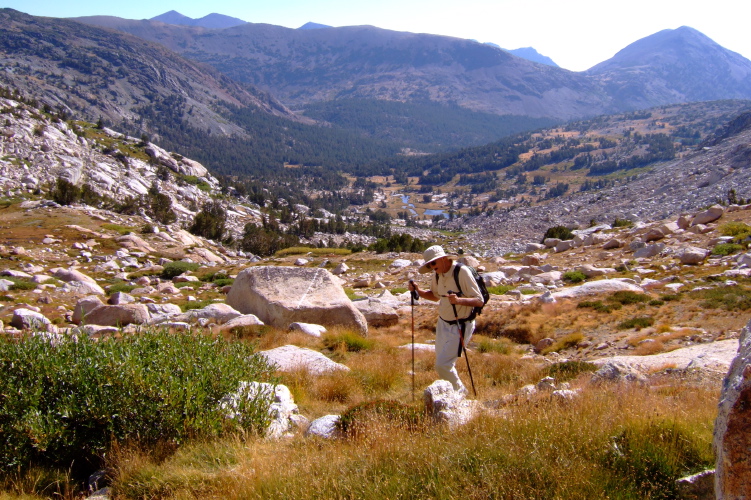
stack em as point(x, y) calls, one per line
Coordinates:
point(576, 34)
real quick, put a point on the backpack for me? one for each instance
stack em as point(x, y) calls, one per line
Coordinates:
point(480, 284)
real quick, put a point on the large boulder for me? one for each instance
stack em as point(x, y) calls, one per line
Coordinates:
point(118, 315)
point(732, 440)
point(596, 288)
point(710, 215)
point(26, 318)
point(292, 358)
point(377, 313)
point(283, 295)
point(446, 405)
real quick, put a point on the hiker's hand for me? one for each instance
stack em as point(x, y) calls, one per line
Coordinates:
point(452, 297)
point(412, 286)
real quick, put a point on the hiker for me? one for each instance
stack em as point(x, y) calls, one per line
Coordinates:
point(451, 307)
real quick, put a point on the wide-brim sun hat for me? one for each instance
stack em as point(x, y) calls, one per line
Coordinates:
point(432, 253)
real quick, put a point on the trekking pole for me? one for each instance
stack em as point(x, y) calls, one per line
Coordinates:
point(413, 297)
point(462, 346)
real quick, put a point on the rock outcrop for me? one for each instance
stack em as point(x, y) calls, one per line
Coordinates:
point(732, 439)
point(281, 295)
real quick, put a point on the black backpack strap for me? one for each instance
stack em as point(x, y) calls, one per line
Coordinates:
point(456, 278)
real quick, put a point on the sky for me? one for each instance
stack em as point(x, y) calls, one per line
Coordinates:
point(576, 34)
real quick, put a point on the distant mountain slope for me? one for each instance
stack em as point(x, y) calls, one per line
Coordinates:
point(93, 73)
point(680, 65)
point(306, 66)
point(312, 65)
point(531, 54)
point(528, 53)
point(313, 26)
point(211, 21)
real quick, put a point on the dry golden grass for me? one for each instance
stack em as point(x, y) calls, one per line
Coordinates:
point(527, 451)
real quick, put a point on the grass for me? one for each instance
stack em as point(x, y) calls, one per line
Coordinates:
point(347, 342)
point(570, 340)
point(286, 252)
point(119, 228)
point(634, 445)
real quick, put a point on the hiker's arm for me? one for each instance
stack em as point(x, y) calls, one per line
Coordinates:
point(465, 301)
point(425, 294)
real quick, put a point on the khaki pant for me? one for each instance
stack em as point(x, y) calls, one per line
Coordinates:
point(447, 350)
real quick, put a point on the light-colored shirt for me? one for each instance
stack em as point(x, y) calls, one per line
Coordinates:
point(443, 283)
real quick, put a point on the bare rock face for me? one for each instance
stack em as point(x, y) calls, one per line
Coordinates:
point(283, 295)
point(292, 358)
point(118, 315)
point(732, 439)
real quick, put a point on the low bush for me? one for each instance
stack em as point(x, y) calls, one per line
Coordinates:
point(730, 298)
point(727, 249)
point(21, 284)
point(121, 287)
point(627, 297)
point(638, 323)
point(65, 405)
point(499, 289)
point(574, 276)
point(599, 306)
point(176, 268)
point(559, 232)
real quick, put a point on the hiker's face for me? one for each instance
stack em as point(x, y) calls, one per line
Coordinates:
point(441, 265)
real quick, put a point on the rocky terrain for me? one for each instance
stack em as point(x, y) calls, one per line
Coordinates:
point(697, 180)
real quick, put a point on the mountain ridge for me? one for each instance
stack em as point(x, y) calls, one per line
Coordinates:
point(301, 67)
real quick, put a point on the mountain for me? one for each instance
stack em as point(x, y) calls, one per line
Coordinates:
point(680, 65)
point(528, 53)
point(531, 54)
point(313, 26)
point(95, 73)
point(302, 67)
point(211, 21)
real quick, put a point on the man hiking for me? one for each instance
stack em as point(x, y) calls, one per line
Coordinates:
point(455, 319)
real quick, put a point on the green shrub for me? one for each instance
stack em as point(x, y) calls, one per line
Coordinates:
point(730, 298)
point(638, 323)
point(499, 289)
point(65, 404)
point(574, 276)
point(354, 419)
point(210, 222)
point(599, 306)
point(348, 341)
point(21, 284)
point(735, 229)
point(178, 267)
point(727, 249)
point(220, 282)
point(120, 287)
point(621, 223)
point(65, 192)
point(196, 304)
point(568, 370)
point(560, 232)
point(627, 297)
